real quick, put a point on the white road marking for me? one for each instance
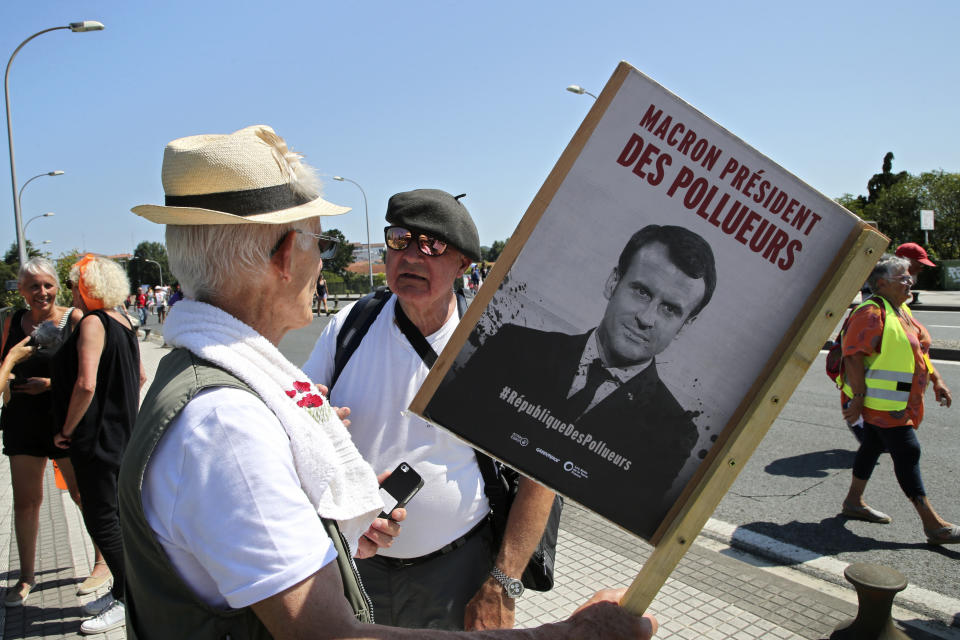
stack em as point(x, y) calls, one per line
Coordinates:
point(811, 569)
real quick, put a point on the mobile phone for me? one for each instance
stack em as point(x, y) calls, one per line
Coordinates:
point(399, 488)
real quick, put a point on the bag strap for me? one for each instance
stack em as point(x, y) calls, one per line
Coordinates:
point(355, 327)
point(415, 337)
point(490, 469)
point(361, 317)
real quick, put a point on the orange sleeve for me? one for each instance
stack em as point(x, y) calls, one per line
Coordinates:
point(864, 331)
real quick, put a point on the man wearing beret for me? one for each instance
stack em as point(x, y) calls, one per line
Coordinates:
point(441, 571)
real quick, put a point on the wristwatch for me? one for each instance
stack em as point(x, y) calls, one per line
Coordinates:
point(512, 586)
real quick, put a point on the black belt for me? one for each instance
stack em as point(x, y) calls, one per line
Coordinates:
point(400, 563)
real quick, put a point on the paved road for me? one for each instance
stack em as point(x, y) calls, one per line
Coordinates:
point(943, 325)
point(792, 487)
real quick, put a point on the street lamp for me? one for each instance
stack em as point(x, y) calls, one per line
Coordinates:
point(154, 262)
point(39, 175)
point(77, 27)
point(366, 215)
point(577, 89)
point(42, 215)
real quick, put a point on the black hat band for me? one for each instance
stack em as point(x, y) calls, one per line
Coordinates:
point(243, 203)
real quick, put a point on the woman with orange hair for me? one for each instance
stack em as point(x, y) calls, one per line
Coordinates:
point(96, 386)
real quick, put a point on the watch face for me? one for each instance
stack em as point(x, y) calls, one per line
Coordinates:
point(515, 588)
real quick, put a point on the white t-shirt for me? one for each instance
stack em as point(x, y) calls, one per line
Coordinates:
point(222, 495)
point(381, 378)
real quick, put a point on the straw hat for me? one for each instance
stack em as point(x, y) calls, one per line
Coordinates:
point(249, 176)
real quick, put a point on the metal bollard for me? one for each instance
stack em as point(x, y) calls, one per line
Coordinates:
point(876, 587)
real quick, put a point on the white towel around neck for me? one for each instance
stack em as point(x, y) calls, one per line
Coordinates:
point(335, 478)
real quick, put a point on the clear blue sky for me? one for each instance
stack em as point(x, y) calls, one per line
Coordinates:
point(463, 96)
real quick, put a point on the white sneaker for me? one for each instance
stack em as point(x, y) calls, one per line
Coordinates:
point(110, 618)
point(98, 606)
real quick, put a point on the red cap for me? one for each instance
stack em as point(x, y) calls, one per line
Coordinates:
point(915, 252)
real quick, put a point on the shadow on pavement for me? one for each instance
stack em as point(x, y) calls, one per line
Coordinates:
point(830, 536)
point(816, 464)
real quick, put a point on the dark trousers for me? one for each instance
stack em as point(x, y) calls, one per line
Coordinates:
point(97, 483)
point(428, 595)
point(904, 450)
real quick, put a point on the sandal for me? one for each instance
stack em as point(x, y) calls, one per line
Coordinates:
point(93, 583)
point(16, 596)
point(865, 513)
point(949, 534)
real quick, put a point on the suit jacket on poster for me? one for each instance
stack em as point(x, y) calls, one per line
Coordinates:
point(620, 458)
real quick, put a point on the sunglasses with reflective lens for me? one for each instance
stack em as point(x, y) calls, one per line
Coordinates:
point(327, 244)
point(398, 239)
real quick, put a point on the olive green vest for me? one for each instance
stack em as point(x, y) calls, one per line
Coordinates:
point(159, 604)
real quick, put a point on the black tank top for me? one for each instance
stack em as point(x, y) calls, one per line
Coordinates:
point(23, 408)
point(104, 430)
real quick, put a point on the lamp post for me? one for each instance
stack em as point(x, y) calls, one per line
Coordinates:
point(39, 175)
point(77, 27)
point(159, 268)
point(577, 89)
point(42, 215)
point(366, 216)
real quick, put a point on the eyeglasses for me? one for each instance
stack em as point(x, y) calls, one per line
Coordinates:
point(327, 244)
point(398, 239)
point(902, 278)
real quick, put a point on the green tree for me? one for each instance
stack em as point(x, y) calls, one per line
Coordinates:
point(896, 209)
point(11, 298)
point(12, 256)
point(141, 271)
point(491, 253)
point(344, 257)
point(940, 191)
point(64, 262)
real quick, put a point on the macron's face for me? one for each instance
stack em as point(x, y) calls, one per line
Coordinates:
point(648, 306)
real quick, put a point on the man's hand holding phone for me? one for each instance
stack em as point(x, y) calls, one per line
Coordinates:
point(397, 488)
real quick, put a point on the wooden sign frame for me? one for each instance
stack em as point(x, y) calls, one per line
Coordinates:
point(838, 283)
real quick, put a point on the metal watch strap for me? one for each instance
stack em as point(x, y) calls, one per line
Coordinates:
point(512, 586)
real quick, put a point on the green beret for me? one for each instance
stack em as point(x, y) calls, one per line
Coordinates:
point(436, 213)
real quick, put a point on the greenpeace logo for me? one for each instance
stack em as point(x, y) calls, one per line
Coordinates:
point(547, 455)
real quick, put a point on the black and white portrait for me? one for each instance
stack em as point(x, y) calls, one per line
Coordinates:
point(653, 283)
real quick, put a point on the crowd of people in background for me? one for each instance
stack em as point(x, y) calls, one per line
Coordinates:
point(153, 300)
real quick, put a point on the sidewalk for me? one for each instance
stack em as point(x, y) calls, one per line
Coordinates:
point(711, 594)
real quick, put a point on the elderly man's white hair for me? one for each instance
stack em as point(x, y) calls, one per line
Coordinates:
point(211, 259)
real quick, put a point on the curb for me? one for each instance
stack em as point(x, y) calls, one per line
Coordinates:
point(915, 600)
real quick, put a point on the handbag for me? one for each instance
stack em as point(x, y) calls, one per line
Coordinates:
point(834, 362)
point(501, 484)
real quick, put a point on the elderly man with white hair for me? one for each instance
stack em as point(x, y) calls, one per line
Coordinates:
point(242, 497)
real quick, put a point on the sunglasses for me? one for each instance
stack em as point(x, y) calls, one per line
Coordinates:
point(327, 244)
point(398, 239)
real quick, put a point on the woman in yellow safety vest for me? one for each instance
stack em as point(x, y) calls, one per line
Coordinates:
point(886, 369)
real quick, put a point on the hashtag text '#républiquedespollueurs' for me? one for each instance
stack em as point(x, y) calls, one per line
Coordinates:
point(543, 415)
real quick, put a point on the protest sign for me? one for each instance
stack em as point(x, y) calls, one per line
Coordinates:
point(696, 271)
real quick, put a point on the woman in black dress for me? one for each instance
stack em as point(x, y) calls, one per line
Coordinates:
point(96, 388)
point(27, 420)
